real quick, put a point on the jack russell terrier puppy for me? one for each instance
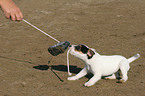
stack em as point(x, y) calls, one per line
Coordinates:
point(100, 65)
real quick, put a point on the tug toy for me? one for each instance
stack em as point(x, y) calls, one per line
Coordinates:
point(58, 48)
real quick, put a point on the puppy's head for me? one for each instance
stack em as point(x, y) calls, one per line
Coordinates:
point(82, 51)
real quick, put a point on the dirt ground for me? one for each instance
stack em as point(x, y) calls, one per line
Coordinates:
point(109, 26)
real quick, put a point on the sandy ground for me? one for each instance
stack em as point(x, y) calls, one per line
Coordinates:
point(109, 26)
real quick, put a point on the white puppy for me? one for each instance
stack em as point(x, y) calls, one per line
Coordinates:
point(100, 65)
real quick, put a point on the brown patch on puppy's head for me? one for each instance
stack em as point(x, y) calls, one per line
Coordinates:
point(81, 48)
point(90, 54)
point(84, 50)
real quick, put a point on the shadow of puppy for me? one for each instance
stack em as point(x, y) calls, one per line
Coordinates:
point(63, 68)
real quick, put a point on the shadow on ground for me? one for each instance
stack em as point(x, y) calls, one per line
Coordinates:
point(63, 68)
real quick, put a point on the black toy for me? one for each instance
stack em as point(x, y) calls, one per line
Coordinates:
point(58, 48)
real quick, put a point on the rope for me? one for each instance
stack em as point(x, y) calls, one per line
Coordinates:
point(40, 30)
point(68, 62)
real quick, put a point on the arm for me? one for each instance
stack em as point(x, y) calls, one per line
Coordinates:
point(11, 10)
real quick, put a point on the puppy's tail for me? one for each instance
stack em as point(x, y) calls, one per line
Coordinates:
point(131, 59)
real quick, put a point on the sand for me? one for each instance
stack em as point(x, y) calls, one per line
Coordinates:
point(109, 26)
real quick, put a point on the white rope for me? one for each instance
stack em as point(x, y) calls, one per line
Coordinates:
point(40, 30)
point(68, 62)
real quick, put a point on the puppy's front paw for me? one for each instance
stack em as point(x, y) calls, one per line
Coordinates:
point(72, 78)
point(88, 84)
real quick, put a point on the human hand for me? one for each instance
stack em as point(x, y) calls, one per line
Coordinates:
point(11, 10)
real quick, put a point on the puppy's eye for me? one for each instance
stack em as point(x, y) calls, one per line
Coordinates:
point(78, 48)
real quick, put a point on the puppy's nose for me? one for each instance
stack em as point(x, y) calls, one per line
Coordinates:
point(70, 45)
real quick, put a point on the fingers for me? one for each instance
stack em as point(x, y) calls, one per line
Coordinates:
point(7, 15)
point(18, 16)
point(11, 10)
point(15, 16)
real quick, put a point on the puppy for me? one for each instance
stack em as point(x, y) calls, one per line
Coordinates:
point(100, 65)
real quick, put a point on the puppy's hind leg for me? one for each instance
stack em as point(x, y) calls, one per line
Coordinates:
point(113, 76)
point(81, 74)
point(124, 69)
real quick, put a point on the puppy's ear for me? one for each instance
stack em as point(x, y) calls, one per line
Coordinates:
point(90, 53)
